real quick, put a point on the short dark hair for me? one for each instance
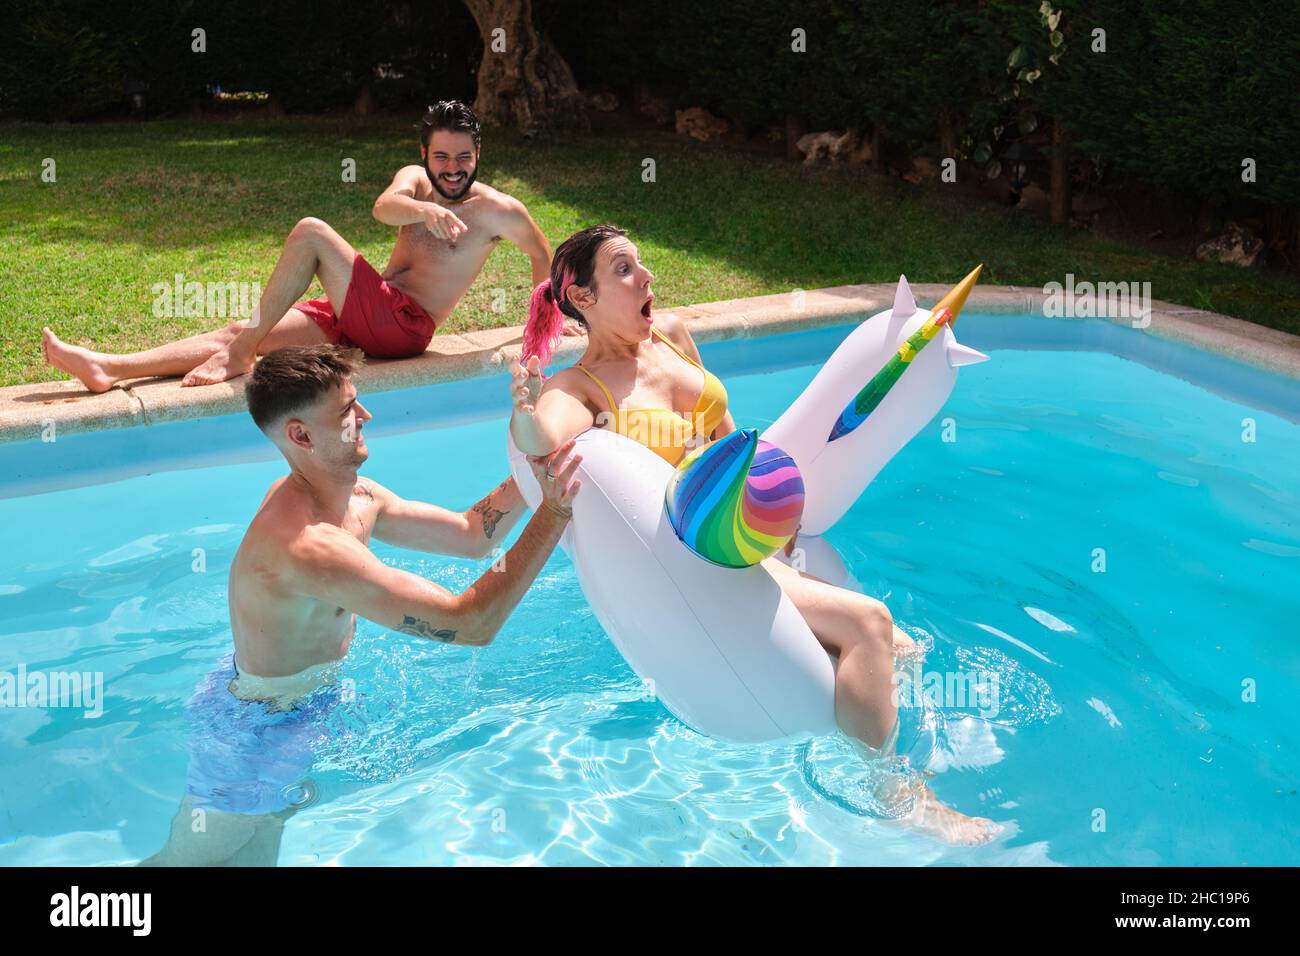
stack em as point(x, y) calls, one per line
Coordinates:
point(451, 115)
point(574, 263)
point(291, 378)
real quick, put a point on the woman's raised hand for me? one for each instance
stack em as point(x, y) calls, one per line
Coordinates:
point(526, 386)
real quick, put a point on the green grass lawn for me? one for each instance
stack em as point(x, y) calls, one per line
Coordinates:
point(136, 203)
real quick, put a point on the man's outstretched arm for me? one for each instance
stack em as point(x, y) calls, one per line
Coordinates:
point(332, 565)
point(397, 206)
point(472, 533)
point(520, 229)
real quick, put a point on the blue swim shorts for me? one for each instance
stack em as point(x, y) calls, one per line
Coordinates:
point(246, 757)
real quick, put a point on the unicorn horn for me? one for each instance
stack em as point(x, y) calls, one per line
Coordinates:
point(958, 294)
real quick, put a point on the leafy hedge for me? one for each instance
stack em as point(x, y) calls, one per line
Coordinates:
point(1183, 92)
point(72, 60)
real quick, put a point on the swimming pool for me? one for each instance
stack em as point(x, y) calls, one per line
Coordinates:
point(1145, 711)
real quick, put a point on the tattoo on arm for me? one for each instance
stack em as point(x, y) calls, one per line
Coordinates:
point(363, 490)
point(413, 625)
point(490, 515)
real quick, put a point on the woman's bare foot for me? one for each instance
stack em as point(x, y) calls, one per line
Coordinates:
point(894, 791)
point(943, 823)
point(904, 647)
point(76, 361)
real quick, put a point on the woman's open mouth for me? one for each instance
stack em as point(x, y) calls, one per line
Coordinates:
point(645, 309)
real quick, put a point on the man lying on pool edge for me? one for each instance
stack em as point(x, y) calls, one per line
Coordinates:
point(447, 224)
point(303, 573)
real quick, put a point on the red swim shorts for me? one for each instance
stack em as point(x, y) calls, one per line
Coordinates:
point(377, 318)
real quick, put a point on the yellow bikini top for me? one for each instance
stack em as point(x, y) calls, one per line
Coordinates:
point(662, 430)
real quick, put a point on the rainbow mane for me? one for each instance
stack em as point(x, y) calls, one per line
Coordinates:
point(736, 501)
point(873, 393)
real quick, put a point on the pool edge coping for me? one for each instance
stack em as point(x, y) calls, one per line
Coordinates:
point(27, 411)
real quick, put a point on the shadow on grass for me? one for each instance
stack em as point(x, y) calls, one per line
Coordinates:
point(172, 185)
point(715, 222)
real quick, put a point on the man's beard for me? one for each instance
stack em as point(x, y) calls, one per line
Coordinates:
point(469, 181)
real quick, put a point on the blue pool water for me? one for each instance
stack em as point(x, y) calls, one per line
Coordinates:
point(1146, 711)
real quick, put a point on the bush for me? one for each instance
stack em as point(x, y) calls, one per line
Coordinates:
point(69, 61)
point(59, 66)
point(1182, 94)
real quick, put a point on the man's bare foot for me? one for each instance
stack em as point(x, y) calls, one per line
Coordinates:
point(76, 361)
point(943, 823)
point(223, 364)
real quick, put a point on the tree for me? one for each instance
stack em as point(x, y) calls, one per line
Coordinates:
point(523, 81)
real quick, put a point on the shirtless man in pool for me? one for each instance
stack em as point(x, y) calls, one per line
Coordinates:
point(448, 225)
point(303, 573)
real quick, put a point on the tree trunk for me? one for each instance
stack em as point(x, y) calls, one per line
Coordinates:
point(364, 104)
point(1060, 174)
point(527, 84)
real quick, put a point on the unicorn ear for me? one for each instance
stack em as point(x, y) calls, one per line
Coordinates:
point(959, 355)
point(904, 304)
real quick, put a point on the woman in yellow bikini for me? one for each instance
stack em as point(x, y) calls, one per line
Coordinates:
point(643, 377)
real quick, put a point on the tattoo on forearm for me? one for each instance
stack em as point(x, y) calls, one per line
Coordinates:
point(413, 625)
point(490, 515)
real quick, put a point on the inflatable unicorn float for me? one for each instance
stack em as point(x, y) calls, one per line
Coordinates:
point(669, 558)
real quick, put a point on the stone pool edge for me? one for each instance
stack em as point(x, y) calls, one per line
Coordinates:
point(40, 410)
